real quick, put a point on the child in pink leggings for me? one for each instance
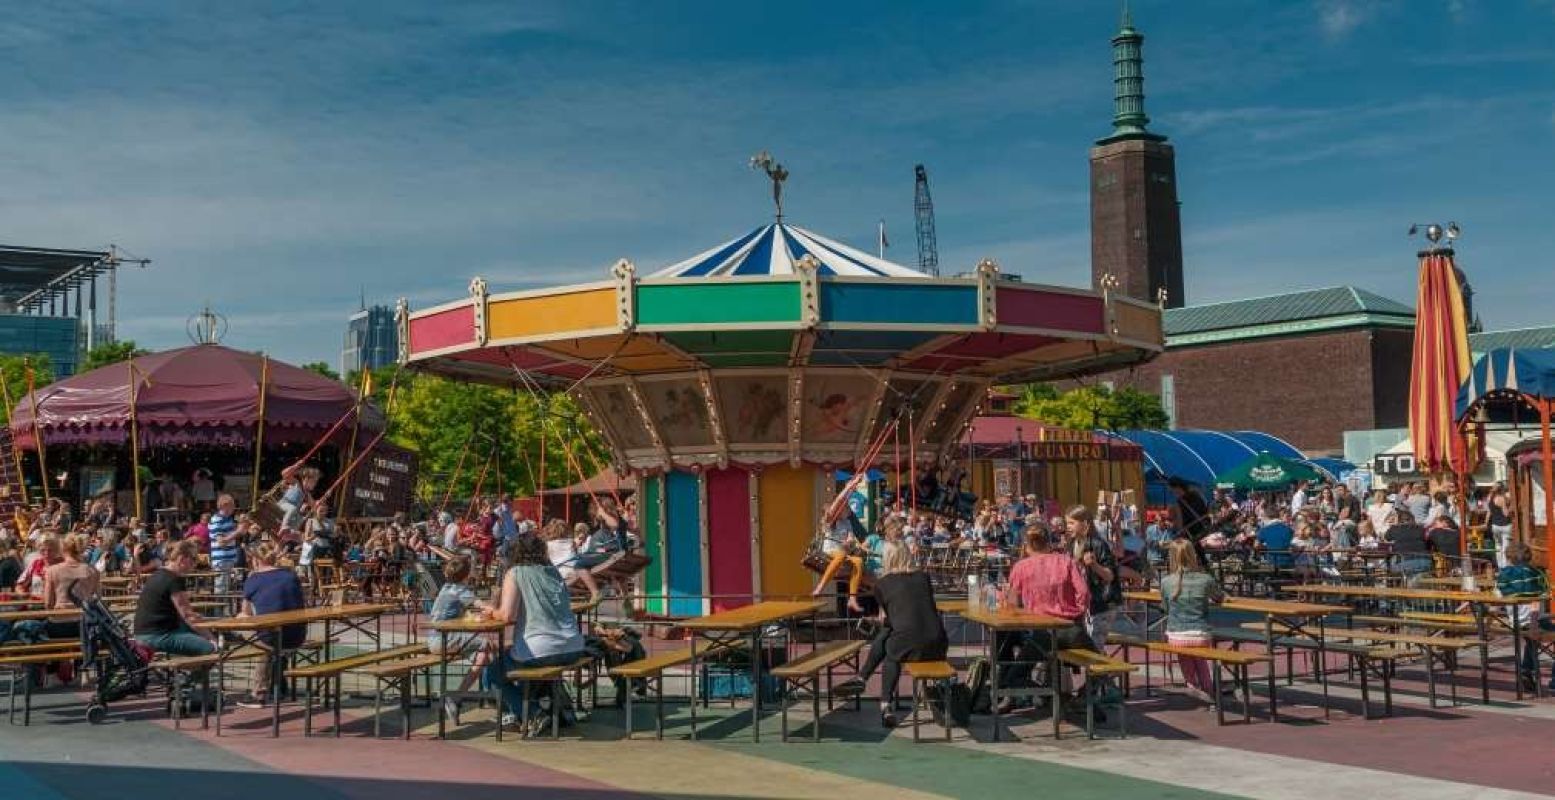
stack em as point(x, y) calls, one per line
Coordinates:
point(1188, 592)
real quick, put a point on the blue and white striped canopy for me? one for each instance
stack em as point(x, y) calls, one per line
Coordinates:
point(773, 249)
point(1529, 371)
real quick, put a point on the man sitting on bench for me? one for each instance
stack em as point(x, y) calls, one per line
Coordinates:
point(910, 630)
point(1044, 582)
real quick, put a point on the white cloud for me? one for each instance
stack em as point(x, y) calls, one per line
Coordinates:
point(1339, 18)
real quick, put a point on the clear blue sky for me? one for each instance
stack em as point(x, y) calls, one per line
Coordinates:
point(274, 162)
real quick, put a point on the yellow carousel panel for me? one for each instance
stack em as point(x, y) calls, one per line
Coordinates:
point(551, 314)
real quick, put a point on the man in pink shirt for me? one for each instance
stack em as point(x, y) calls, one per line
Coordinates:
point(1044, 582)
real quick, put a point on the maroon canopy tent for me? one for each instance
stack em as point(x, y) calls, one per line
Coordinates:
point(201, 395)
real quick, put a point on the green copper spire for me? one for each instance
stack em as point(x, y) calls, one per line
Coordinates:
point(1128, 84)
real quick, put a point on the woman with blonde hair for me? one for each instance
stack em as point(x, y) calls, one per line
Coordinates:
point(910, 628)
point(1187, 592)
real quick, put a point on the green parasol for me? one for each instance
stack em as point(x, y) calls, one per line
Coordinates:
point(1265, 472)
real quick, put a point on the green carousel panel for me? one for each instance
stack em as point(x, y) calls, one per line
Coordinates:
point(728, 303)
point(703, 342)
point(747, 360)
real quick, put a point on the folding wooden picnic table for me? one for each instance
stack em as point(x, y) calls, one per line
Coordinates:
point(727, 628)
point(352, 617)
point(1011, 620)
point(1289, 617)
point(1479, 602)
point(467, 625)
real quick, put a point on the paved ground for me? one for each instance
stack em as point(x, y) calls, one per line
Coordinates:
point(1175, 751)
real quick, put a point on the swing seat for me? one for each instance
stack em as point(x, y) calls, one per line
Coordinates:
point(816, 561)
point(621, 566)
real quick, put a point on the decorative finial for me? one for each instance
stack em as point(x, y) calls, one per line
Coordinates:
point(1435, 232)
point(206, 327)
point(764, 162)
point(1129, 120)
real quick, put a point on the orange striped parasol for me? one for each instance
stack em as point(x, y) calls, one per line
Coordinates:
point(1441, 364)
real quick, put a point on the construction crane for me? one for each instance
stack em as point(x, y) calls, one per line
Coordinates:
point(923, 209)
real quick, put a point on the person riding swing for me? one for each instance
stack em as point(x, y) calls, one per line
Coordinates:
point(842, 537)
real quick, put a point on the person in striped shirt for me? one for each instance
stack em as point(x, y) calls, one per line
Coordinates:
point(223, 528)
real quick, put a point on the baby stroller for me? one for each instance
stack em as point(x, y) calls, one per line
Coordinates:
point(123, 664)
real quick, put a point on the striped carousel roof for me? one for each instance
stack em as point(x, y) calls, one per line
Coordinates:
point(773, 250)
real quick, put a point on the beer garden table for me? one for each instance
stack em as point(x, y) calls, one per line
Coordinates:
point(726, 628)
point(1479, 602)
point(353, 617)
point(1292, 617)
point(1009, 620)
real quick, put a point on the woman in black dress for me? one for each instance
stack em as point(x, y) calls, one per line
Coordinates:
point(910, 628)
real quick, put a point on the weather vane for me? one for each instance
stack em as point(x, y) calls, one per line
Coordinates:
point(763, 161)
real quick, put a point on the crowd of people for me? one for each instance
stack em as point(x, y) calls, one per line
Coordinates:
point(1075, 566)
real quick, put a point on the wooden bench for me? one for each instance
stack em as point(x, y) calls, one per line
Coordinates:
point(330, 672)
point(1456, 628)
point(549, 675)
point(42, 647)
point(923, 672)
point(805, 672)
point(1433, 649)
point(1094, 665)
point(175, 666)
point(1365, 660)
point(1236, 662)
point(1431, 616)
point(20, 667)
point(401, 674)
point(651, 670)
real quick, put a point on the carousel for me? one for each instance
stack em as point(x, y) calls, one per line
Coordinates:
point(239, 417)
point(735, 384)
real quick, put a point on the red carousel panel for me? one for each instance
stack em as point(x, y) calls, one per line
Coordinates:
point(1034, 308)
point(449, 328)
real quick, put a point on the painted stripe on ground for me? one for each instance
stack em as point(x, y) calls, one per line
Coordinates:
point(1240, 772)
point(686, 769)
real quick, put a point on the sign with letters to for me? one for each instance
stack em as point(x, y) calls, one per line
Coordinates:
point(1395, 465)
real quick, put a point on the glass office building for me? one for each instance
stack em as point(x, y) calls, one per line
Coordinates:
point(372, 340)
point(59, 337)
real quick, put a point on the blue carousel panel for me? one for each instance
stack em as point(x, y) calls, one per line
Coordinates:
point(902, 303)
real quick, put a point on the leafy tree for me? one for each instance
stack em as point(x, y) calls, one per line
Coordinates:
point(111, 353)
point(496, 433)
point(13, 370)
point(1091, 407)
point(322, 369)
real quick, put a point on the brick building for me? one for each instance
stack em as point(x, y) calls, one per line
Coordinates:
point(1305, 366)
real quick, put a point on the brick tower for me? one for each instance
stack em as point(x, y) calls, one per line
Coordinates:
point(1136, 233)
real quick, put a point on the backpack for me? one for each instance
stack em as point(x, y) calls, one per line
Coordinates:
point(956, 703)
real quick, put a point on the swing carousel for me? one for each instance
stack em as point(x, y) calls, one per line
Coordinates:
point(735, 384)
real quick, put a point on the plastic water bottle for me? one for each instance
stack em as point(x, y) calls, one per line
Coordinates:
point(1469, 584)
point(974, 593)
point(990, 597)
point(37, 586)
